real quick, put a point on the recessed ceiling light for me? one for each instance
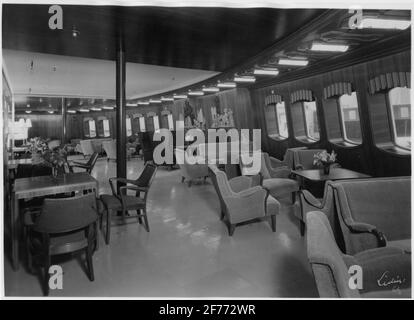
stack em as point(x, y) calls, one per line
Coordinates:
point(195, 93)
point(96, 109)
point(211, 89)
point(226, 85)
point(318, 46)
point(293, 62)
point(84, 110)
point(245, 79)
point(143, 103)
point(129, 104)
point(155, 101)
point(266, 72)
point(71, 111)
point(377, 23)
point(28, 111)
point(108, 108)
point(180, 96)
point(167, 99)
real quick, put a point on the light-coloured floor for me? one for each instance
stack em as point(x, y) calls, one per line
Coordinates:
point(188, 252)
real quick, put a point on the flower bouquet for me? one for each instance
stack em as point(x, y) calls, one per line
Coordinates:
point(37, 146)
point(325, 160)
point(56, 158)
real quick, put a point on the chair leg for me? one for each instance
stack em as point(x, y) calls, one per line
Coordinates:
point(273, 218)
point(108, 226)
point(139, 216)
point(302, 228)
point(231, 228)
point(89, 262)
point(146, 220)
point(222, 215)
point(293, 197)
point(46, 273)
point(182, 179)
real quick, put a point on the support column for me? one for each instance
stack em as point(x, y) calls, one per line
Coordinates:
point(120, 109)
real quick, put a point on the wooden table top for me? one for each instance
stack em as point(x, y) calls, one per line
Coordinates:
point(12, 164)
point(47, 185)
point(334, 174)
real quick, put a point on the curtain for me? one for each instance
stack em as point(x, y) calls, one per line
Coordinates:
point(388, 81)
point(337, 89)
point(301, 95)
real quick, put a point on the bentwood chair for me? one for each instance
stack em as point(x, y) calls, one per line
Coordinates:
point(123, 202)
point(88, 166)
point(64, 225)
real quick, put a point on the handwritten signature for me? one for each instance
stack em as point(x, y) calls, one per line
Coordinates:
point(387, 280)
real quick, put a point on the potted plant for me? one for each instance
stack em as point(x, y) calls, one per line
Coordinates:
point(37, 146)
point(325, 160)
point(56, 158)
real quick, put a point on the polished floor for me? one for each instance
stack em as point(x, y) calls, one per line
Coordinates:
point(188, 252)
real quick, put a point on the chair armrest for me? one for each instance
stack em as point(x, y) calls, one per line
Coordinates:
point(361, 227)
point(79, 166)
point(276, 163)
point(298, 167)
point(281, 172)
point(113, 180)
point(123, 189)
point(310, 199)
point(250, 191)
point(79, 163)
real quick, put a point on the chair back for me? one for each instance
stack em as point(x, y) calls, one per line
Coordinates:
point(110, 148)
point(304, 158)
point(328, 266)
point(87, 148)
point(62, 215)
point(288, 158)
point(92, 161)
point(147, 175)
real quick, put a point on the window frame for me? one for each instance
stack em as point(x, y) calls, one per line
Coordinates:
point(345, 141)
point(309, 138)
point(277, 136)
point(391, 120)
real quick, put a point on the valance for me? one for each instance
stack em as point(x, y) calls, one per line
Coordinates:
point(301, 95)
point(337, 89)
point(137, 115)
point(165, 112)
point(151, 114)
point(388, 81)
point(273, 98)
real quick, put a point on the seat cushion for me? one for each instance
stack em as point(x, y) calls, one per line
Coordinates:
point(133, 202)
point(279, 186)
point(272, 206)
point(111, 202)
point(401, 244)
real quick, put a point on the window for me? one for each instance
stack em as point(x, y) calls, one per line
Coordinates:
point(276, 122)
point(156, 123)
point(349, 118)
point(400, 112)
point(128, 127)
point(89, 128)
point(170, 122)
point(311, 120)
point(141, 124)
point(106, 130)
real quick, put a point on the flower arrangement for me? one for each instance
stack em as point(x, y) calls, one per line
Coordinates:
point(41, 154)
point(324, 159)
point(37, 145)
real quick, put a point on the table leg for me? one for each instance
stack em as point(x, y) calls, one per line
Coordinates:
point(15, 232)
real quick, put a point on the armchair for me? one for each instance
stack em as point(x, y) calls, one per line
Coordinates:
point(189, 172)
point(276, 180)
point(88, 166)
point(331, 267)
point(123, 202)
point(242, 201)
point(287, 158)
point(303, 159)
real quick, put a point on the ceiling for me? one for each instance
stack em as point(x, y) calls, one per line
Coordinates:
point(212, 39)
point(32, 73)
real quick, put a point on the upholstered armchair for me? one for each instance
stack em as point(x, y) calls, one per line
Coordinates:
point(110, 149)
point(86, 147)
point(331, 267)
point(277, 180)
point(53, 144)
point(242, 200)
point(374, 212)
point(303, 159)
point(189, 172)
point(88, 166)
point(287, 158)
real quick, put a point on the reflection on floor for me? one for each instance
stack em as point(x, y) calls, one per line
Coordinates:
point(188, 252)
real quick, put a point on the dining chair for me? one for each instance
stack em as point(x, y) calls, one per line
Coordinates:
point(88, 166)
point(122, 201)
point(64, 225)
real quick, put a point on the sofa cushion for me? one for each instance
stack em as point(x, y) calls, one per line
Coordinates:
point(279, 186)
point(404, 244)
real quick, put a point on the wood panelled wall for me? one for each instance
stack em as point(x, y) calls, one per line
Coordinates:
point(45, 126)
point(367, 157)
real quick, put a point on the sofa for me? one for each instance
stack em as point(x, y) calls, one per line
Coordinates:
point(370, 269)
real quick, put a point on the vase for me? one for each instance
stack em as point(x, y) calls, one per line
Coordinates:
point(326, 168)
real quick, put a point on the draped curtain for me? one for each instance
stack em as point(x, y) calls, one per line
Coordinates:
point(273, 99)
point(337, 89)
point(388, 81)
point(301, 95)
